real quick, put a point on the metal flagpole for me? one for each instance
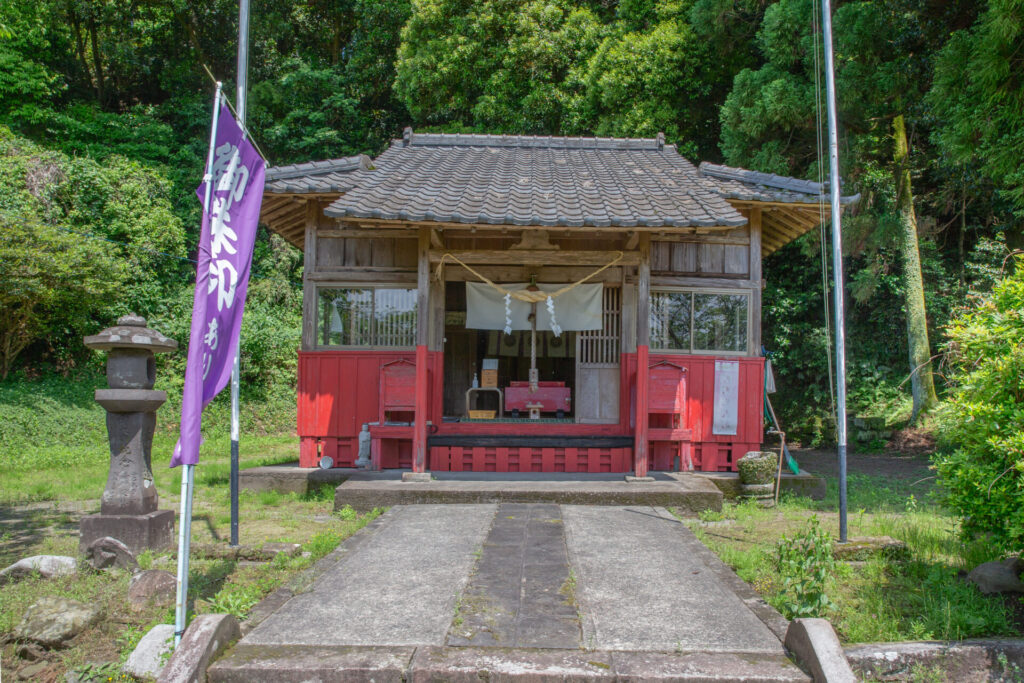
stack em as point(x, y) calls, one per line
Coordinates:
point(837, 259)
point(236, 371)
point(188, 471)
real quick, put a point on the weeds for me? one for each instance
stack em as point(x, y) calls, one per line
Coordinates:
point(882, 599)
point(806, 564)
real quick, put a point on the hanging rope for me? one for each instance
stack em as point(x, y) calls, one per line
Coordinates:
point(821, 211)
point(525, 294)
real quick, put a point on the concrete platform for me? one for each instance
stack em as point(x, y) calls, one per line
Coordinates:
point(687, 493)
point(290, 478)
point(518, 592)
point(803, 484)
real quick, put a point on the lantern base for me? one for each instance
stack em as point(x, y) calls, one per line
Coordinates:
point(139, 532)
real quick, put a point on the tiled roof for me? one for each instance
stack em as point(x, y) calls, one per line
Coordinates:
point(318, 177)
point(754, 186)
point(549, 181)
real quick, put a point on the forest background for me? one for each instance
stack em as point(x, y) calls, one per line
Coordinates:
point(104, 117)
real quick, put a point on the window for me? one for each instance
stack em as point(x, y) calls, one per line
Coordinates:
point(367, 316)
point(699, 321)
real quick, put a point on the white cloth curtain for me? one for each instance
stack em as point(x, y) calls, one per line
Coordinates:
point(577, 309)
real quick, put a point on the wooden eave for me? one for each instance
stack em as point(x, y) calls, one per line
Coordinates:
point(783, 222)
point(285, 213)
point(391, 228)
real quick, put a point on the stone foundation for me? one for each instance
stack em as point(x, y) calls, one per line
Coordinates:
point(138, 532)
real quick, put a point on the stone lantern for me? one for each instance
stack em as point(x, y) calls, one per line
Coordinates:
point(128, 511)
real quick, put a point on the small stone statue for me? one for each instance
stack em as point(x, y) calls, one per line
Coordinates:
point(128, 511)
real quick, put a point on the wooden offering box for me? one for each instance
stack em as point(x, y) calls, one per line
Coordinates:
point(552, 397)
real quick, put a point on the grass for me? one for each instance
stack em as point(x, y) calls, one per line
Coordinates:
point(53, 424)
point(54, 456)
point(923, 597)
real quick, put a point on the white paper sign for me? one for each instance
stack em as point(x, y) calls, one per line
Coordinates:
point(727, 396)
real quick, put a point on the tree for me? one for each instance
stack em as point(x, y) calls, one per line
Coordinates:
point(768, 122)
point(651, 75)
point(496, 65)
point(83, 243)
point(978, 96)
point(50, 282)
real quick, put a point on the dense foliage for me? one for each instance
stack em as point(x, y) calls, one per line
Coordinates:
point(115, 95)
point(982, 467)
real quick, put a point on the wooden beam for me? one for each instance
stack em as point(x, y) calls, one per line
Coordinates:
point(378, 233)
point(419, 435)
point(697, 281)
point(547, 274)
point(643, 341)
point(754, 343)
point(786, 218)
point(643, 293)
point(309, 302)
point(365, 275)
point(283, 210)
point(435, 239)
point(536, 257)
point(632, 241)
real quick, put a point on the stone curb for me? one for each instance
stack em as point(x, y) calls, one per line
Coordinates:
point(816, 647)
point(410, 664)
point(206, 637)
point(979, 659)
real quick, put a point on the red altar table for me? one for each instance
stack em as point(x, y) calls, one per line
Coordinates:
point(550, 397)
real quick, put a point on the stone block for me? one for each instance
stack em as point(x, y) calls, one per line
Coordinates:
point(153, 586)
point(206, 637)
point(138, 532)
point(816, 647)
point(981, 659)
point(1001, 576)
point(419, 477)
point(48, 567)
point(861, 548)
point(51, 621)
point(148, 658)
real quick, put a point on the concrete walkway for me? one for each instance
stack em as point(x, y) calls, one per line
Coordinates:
point(520, 591)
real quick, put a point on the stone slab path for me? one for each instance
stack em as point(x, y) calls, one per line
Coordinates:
point(521, 591)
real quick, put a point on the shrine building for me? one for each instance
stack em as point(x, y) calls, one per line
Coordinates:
point(533, 304)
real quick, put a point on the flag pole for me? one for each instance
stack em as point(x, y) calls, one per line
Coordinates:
point(837, 259)
point(236, 368)
point(188, 471)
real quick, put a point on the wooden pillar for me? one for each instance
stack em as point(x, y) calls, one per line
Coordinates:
point(754, 345)
point(309, 302)
point(643, 340)
point(419, 434)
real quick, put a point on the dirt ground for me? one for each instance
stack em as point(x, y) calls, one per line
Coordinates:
point(910, 467)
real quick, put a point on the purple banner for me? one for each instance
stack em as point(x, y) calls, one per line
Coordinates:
point(222, 276)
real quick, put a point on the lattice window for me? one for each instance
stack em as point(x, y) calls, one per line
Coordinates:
point(601, 347)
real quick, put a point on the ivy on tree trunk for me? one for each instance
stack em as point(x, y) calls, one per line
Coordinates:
point(921, 380)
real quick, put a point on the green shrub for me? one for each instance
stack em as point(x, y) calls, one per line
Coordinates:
point(981, 425)
point(805, 563)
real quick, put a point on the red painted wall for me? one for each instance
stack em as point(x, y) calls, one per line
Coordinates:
point(339, 392)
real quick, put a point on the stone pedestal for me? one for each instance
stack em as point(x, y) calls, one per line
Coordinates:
point(128, 511)
point(154, 530)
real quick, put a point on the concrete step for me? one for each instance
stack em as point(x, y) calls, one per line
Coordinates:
point(330, 664)
point(690, 494)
